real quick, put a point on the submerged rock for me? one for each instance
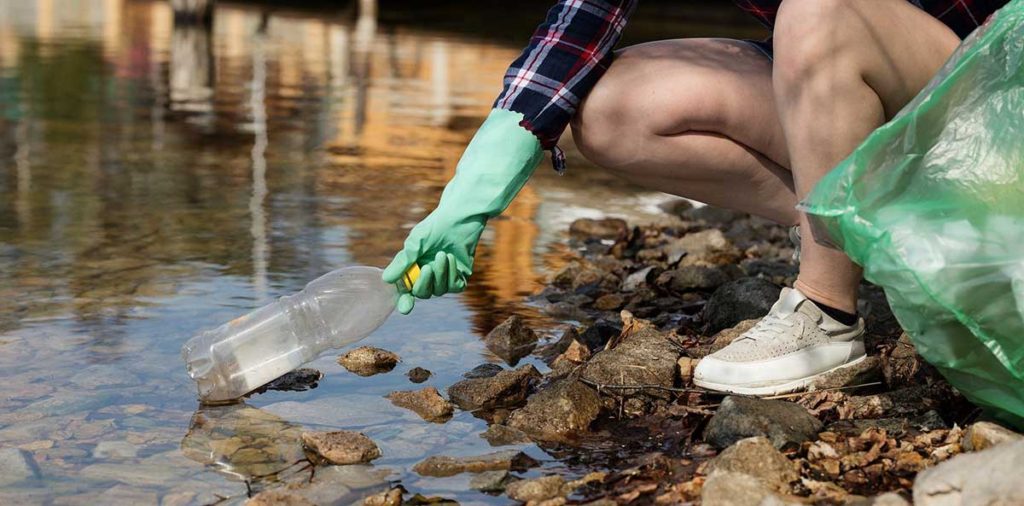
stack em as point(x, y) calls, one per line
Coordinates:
point(537, 489)
point(783, 423)
point(440, 466)
point(643, 357)
point(742, 299)
point(490, 481)
point(512, 340)
point(991, 476)
point(563, 409)
point(16, 465)
point(342, 447)
point(427, 403)
point(367, 361)
point(502, 435)
point(391, 497)
point(419, 375)
point(508, 388)
point(984, 435)
point(757, 457)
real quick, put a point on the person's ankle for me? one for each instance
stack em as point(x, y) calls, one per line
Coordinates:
point(842, 313)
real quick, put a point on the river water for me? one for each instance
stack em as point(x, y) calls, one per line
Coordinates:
point(157, 180)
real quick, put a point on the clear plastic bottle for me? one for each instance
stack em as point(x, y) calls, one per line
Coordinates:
point(334, 310)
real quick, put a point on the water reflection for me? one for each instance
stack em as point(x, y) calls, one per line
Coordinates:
point(159, 176)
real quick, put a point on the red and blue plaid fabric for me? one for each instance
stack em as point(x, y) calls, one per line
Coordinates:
point(572, 48)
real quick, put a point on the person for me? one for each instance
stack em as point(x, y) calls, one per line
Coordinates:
point(746, 125)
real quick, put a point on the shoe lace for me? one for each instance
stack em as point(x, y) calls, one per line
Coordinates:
point(771, 326)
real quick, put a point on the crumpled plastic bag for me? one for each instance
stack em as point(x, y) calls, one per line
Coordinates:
point(932, 206)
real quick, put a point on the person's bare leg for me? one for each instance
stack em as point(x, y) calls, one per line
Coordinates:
point(692, 117)
point(843, 67)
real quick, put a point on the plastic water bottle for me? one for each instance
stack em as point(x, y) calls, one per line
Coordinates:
point(334, 310)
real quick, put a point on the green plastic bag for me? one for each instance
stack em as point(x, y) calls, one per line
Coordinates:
point(932, 206)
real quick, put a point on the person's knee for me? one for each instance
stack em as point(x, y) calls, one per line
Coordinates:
point(606, 119)
point(809, 38)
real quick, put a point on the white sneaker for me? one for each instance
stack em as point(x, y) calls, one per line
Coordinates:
point(784, 352)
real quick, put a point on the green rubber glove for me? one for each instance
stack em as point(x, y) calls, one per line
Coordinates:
point(495, 166)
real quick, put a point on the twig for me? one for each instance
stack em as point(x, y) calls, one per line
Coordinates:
point(601, 386)
point(833, 389)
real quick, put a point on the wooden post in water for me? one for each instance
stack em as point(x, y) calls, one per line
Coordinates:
point(193, 11)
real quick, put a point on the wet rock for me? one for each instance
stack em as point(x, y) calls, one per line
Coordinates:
point(114, 450)
point(342, 447)
point(419, 375)
point(737, 489)
point(866, 371)
point(735, 301)
point(440, 466)
point(503, 435)
point(610, 302)
point(508, 388)
point(16, 465)
point(490, 481)
point(298, 380)
point(512, 340)
point(391, 497)
point(692, 278)
point(991, 476)
point(783, 423)
point(537, 489)
point(367, 361)
point(560, 411)
point(427, 403)
point(707, 247)
point(607, 228)
point(487, 370)
point(644, 357)
point(758, 458)
point(984, 435)
point(279, 497)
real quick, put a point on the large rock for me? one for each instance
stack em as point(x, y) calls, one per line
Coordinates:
point(16, 465)
point(501, 435)
point(783, 423)
point(512, 340)
point(441, 466)
point(984, 435)
point(863, 372)
point(692, 278)
point(342, 447)
point(987, 477)
point(757, 457)
point(727, 488)
point(563, 409)
point(643, 357)
point(427, 403)
point(367, 361)
point(742, 299)
point(508, 388)
point(490, 481)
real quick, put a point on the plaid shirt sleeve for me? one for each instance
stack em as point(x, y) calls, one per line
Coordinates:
point(566, 56)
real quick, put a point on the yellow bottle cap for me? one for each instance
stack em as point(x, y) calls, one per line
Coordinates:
point(411, 276)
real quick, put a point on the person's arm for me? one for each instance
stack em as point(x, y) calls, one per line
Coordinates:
point(567, 54)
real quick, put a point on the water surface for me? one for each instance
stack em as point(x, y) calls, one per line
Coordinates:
point(157, 180)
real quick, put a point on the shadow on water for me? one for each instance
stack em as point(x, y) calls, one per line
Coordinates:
point(159, 177)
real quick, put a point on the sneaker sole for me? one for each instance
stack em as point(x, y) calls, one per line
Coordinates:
point(774, 389)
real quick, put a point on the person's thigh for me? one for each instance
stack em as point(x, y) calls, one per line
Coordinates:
point(694, 117)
